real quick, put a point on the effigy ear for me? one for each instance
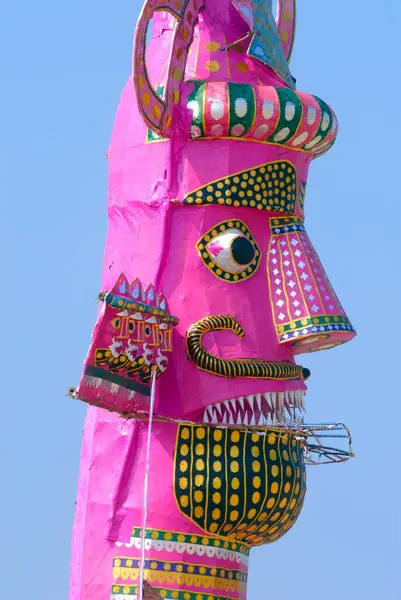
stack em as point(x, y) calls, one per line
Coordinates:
point(157, 111)
point(271, 40)
point(129, 343)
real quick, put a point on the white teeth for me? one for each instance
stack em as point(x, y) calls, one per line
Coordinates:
point(267, 397)
point(250, 401)
point(273, 407)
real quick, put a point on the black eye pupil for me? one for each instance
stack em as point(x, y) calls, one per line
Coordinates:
point(242, 250)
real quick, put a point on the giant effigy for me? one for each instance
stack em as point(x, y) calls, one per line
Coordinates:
point(195, 444)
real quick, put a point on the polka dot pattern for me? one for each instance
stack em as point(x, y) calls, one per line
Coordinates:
point(271, 187)
point(247, 487)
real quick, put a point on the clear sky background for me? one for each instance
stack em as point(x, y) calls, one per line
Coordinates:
point(63, 66)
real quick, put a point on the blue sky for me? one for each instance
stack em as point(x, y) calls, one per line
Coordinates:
point(63, 66)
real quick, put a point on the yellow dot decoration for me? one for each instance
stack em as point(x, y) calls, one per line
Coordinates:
point(255, 451)
point(199, 480)
point(198, 496)
point(184, 450)
point(216, 483)
point(284, 36)
point(235, 436)
point(235, 483)
point(218, 434)
point(185, 433)
point(217, 450)
point(156, 111)
point(212, 46)
point(183, 483)
point(199, 464)
point(200, 433)
point(274, 488)
point(176, 74)
point(241, 188)
point(234, 452)
point(234, 466)
point(251, 501)
point(199, 449)
point(242, 67)
point(212, 66)
point(198, 512)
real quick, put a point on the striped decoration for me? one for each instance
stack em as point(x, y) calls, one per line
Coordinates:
point(281, 116)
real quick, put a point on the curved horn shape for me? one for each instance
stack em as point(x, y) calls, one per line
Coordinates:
point(256, 368)
point(156, 111)
point(286, 25)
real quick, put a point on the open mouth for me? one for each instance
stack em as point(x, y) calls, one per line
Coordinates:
point(270, 408)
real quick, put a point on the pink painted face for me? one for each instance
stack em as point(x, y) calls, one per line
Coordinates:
point(218, 267)
point(206, 198)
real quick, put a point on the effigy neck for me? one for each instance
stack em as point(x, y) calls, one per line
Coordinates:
point(184, 566)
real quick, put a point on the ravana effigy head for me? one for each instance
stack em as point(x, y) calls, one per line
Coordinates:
point(210, 208)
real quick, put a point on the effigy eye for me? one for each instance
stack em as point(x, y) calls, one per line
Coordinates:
point(116, 323)
point(230, 251)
